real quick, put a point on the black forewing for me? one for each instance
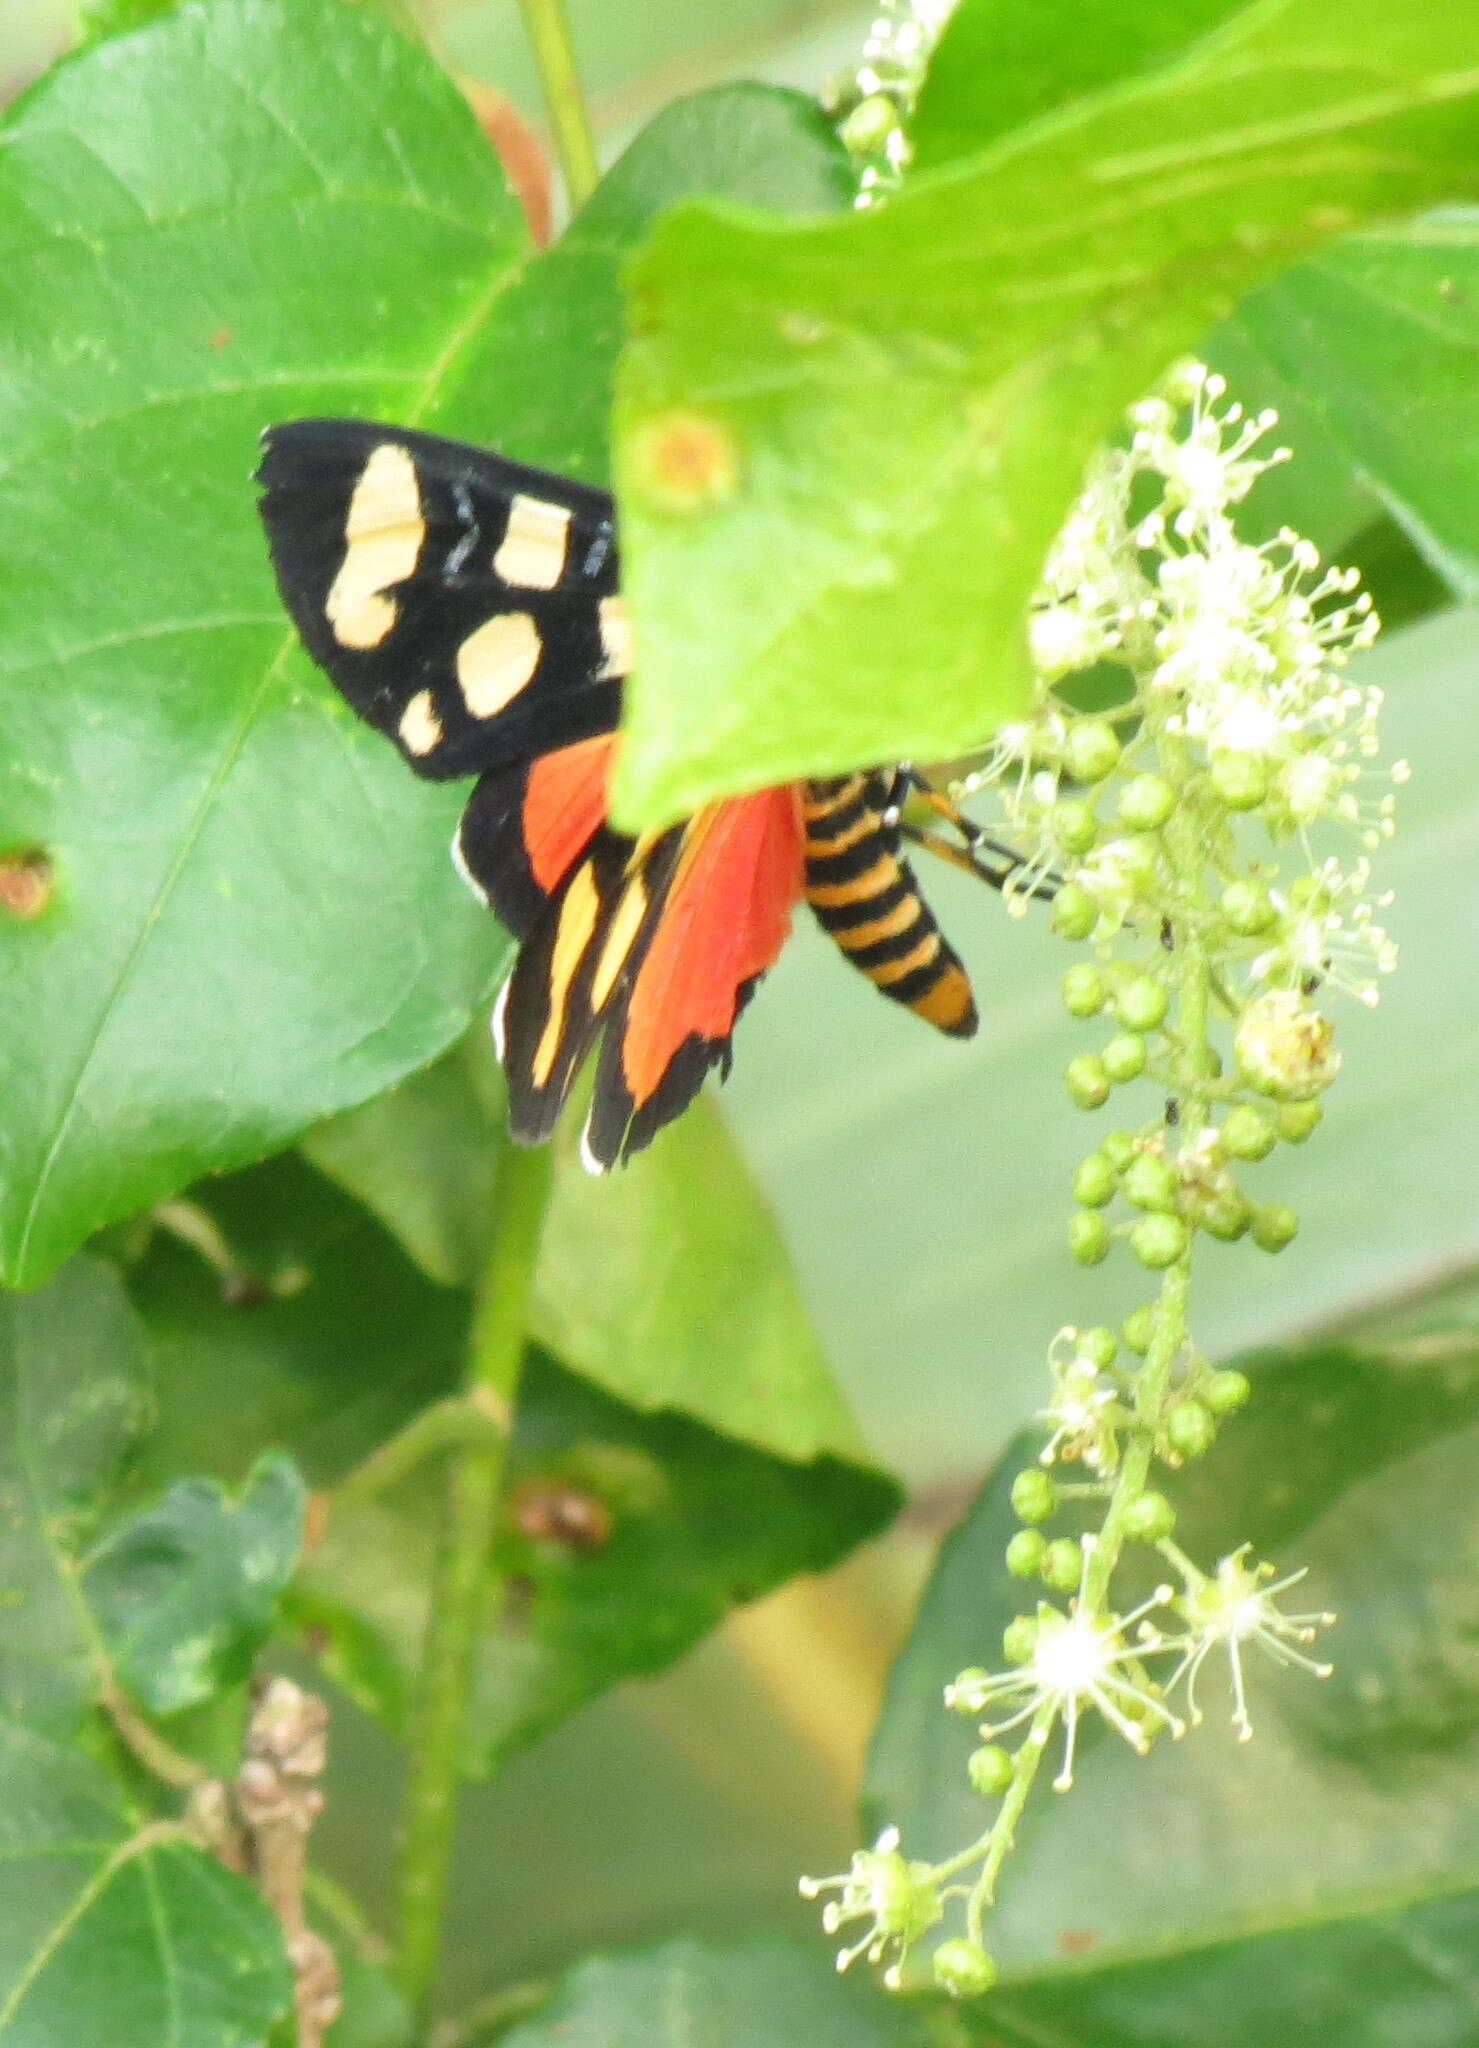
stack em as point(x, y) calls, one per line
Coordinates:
point(309, 473)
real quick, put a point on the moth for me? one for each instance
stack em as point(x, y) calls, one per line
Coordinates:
point(470, 608)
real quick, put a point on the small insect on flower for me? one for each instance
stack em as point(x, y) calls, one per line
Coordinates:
point(1238, 1606)
point(897, 1899)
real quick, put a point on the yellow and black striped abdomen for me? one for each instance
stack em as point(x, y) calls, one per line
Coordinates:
point(864, 894)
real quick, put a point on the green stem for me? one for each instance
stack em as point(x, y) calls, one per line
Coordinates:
point(464, 1575)
point(1184, 843)
point(1004, 1828)
point(548, 30)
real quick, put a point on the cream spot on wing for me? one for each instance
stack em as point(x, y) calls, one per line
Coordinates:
point(532, 551)
point(624, 928)
point(421, 729)
point(616, 639)
point(383, 534)
point(495, 662)
point(578, 915)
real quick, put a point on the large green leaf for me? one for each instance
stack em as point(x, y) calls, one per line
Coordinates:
point(844, 446)
point(686, 1994)
point(111, 1934)
point(684, 1521)
point(1356, 1797)
point(73, 1395)
point(282, 934)
point(1366, 348)
point(1399, 1978)
point(1001, 63)
point(922, 1185)
point(666, 1284)
point(254, 919)
point(185, 1591)
point(1377, 338)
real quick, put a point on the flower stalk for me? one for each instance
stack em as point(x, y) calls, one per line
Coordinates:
point(1192, 823)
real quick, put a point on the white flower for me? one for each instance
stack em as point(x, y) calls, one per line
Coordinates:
point(899, 1901)
point(1079, 1660)
point(1235, 1607)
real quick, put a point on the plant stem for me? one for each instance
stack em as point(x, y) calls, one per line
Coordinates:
point(1184, 846)
point(464, 1575)
point(548, 30)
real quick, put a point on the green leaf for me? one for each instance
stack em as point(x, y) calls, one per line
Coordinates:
point(73, 1396)
point(666, 1284)
point(1001, 63)
point(1378, 338)
point(1392, 1979)
point(1356, 1797)
point(544, 368)
point(186, 1591)
point(686, 1993)
point(844, 446)
point(346, 244)
point(673, 1522)
point(922, 1185)
point(1365, 349)
point(254, 919)
point(111, 1934)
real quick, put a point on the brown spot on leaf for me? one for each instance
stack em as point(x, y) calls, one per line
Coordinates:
point(1077, 1941)
point(27, 882)
point(685, 461)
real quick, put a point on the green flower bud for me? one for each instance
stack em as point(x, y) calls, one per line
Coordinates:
point(1274, 1224)
point(990, 1770)
point(1075, 912)
point(1138, 861)
point(1283, 1047)
point(1019, 1640)
point(1151, 1183)
point(1024, 1553)
point(1146, 802)
point(1119, 1148)
point(1296, 1120)
point(1239, 780)
point(1091, 751)
point(1190, 1429)
point(1098, 1346)
point(963, 1969)
point(1248, 1133)
point(1159, 1241)
point(1124, 1056)
point(1225, 1392)
point(1088, 1084)
point(1034, 1495)
point(1083, 989)
point(1149, 1516)
point(1093, 1181)
point(1073, 825)
point(965, 1686)
point(1062, 1561)
point(1141, 1004)
point(1138, 1328)
point(869, 125)
point(1088, 1238)
point(1225, 1214)
point(1247, 908)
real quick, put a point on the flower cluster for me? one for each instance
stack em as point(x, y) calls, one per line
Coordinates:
point(1189, 830)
